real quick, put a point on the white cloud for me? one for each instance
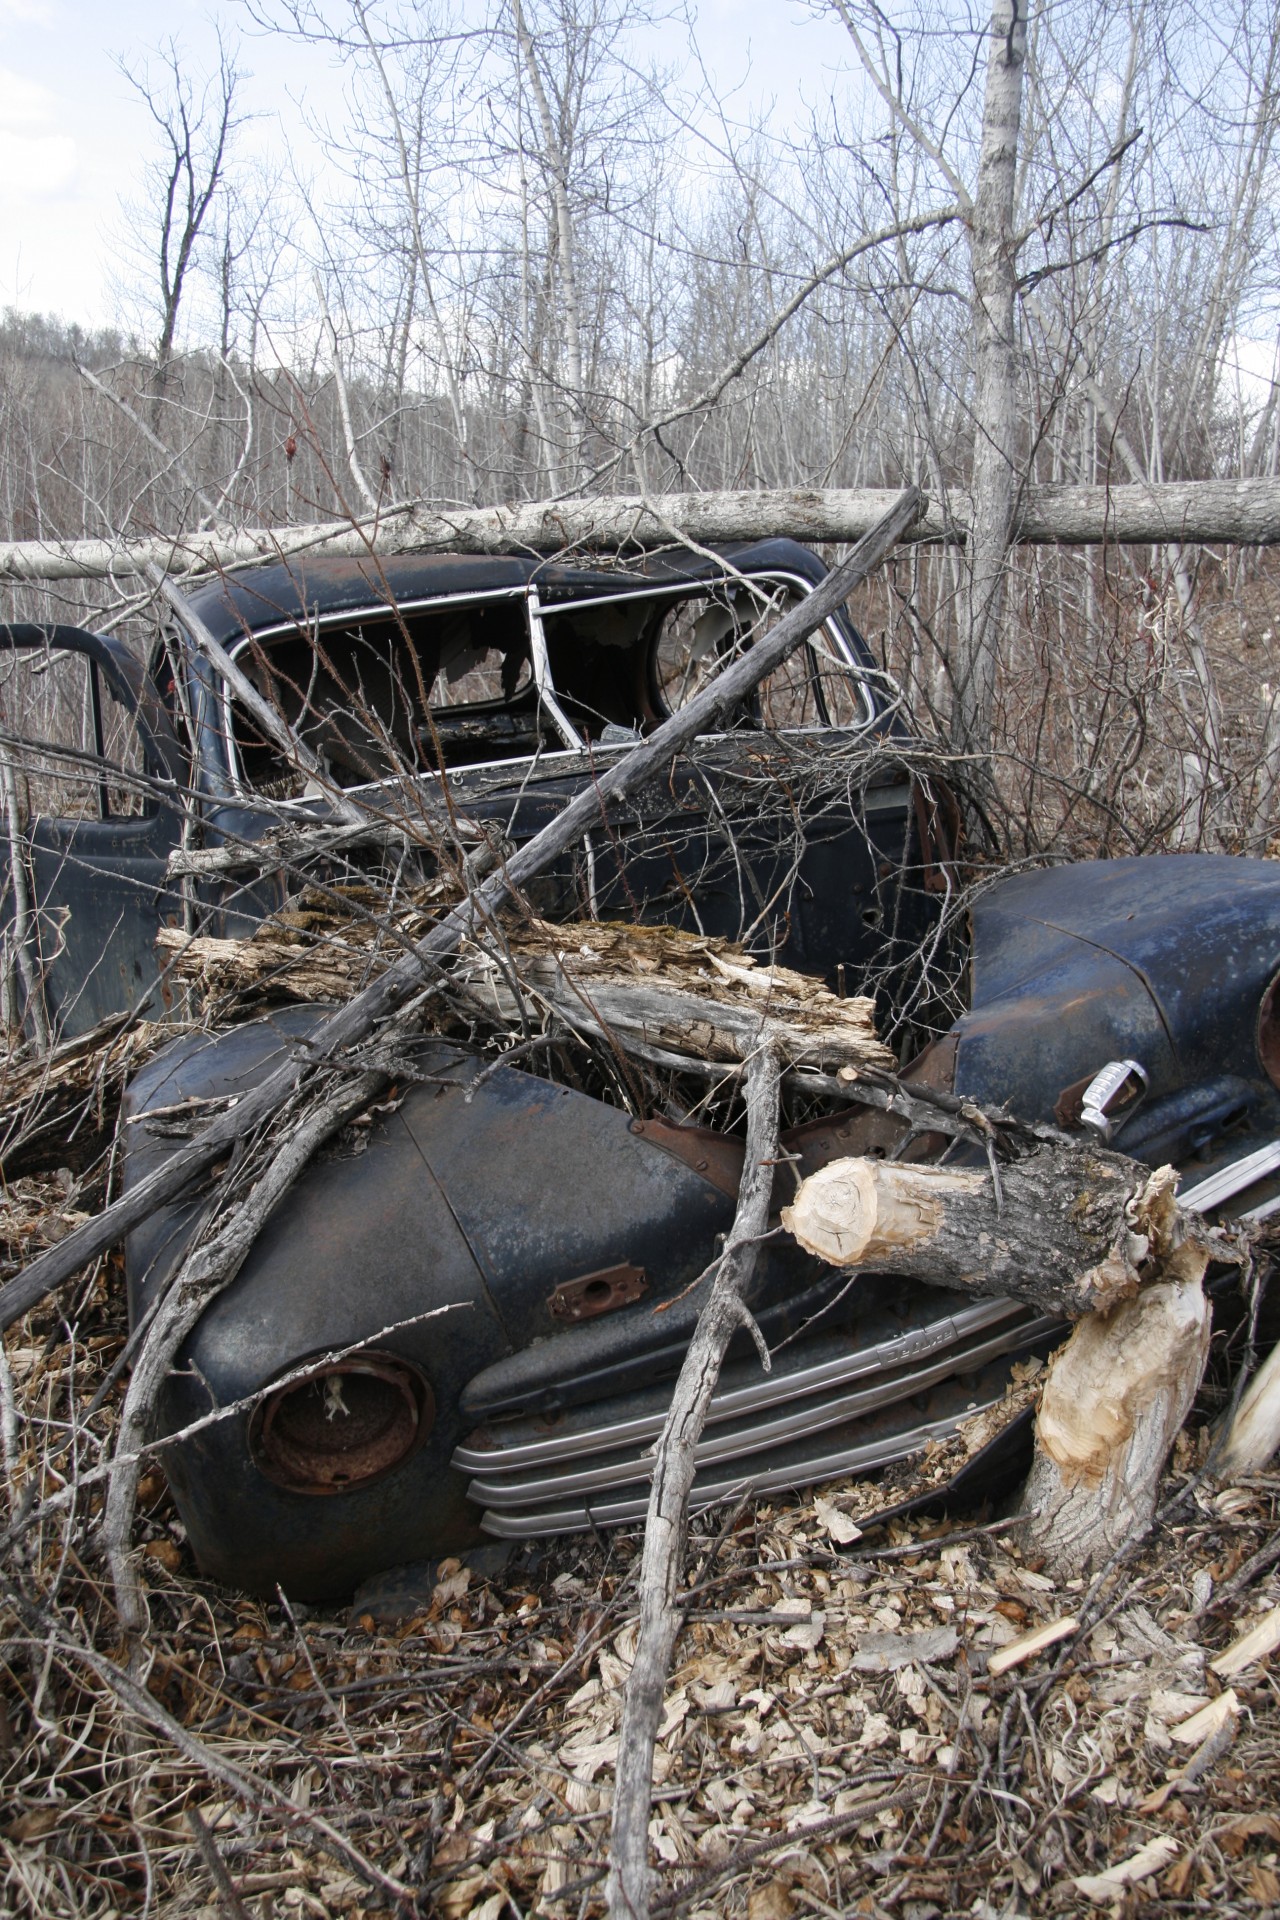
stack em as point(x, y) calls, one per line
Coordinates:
point(35, 166)
point(25, 105)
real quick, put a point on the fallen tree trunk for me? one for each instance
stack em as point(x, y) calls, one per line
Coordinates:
point(361, 1015)
point(1074, 1229)
point(1239, 512)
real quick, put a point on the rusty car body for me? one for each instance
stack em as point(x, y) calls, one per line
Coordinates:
point(452, 1332)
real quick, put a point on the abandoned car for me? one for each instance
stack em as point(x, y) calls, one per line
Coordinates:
point(471, 1326)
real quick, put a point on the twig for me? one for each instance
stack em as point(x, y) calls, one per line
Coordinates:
point(217, 1866)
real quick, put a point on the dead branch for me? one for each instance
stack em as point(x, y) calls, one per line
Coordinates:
point(358, 1018)
point(666, 1524)
point(1244, 512)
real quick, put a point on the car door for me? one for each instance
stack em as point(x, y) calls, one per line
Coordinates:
point(93, 780)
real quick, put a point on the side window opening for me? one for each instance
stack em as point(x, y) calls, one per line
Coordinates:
point(75, 747)
point(629, 663)
point(702, 635)
point(598, 657)
point(382, 696)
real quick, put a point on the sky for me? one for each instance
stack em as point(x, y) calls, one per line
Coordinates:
point(74, 136)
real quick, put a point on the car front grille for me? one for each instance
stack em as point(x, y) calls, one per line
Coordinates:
point(818, 1413)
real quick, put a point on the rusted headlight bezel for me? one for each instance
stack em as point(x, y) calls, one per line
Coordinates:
point(393, 1404)
point(1267, 1036)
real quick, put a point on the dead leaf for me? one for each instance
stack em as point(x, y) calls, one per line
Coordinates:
point(770, 1903)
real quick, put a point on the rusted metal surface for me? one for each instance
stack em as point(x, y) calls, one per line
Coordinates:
point(592, 1294)
point(716, 1156)
point(342, 1425)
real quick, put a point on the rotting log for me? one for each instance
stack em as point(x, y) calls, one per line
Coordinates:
point(360, 1017)
point(1237, 512)
point(1074, 1229)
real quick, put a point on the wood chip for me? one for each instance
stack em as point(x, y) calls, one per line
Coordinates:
point(1104, 1887)
point(1028, 1645)
point(1251, 1647)
point(887, 1652)
point(1218, 1712)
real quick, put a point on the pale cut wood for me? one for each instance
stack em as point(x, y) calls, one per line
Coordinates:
point(1028, 1645)
point(1253, 1436)
point(1207, 1721)
point(1069, 1228)
point(1262, 1638)
point(1115, 1397)
point(361, 1015)
point(1109, 1887)
point(1242, 512)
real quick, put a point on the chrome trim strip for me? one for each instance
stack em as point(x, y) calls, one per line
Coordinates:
point(865, 1459)
point(1265, 1211)
point(767, 1391)
point(502, 1491)
point(1233, 1179)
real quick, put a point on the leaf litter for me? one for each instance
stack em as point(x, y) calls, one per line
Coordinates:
point(833, 1741)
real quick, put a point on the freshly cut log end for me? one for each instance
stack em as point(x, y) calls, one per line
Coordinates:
point(868, 1213)
point(1073, 1228)
point(1116, 1395)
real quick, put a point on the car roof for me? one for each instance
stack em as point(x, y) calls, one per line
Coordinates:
point(248, 599)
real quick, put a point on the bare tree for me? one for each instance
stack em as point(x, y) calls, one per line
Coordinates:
point(196, 124)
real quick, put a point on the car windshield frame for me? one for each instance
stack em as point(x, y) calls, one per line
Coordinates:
point(548, 695)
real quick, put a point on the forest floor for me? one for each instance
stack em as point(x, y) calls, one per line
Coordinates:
point(834, 1741)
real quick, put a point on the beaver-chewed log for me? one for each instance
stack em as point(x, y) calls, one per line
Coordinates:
point(1074, 1229)
point(1083, 1233)
point(1116, 1396)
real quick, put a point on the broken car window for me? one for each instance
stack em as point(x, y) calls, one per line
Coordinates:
point(77, 749)
point(389, 694)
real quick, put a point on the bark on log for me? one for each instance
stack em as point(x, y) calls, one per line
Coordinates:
point(1235, 512)
point(1074, 1229)
point(1083, 1233)
point(353, 1022)
point(1113, 1403)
